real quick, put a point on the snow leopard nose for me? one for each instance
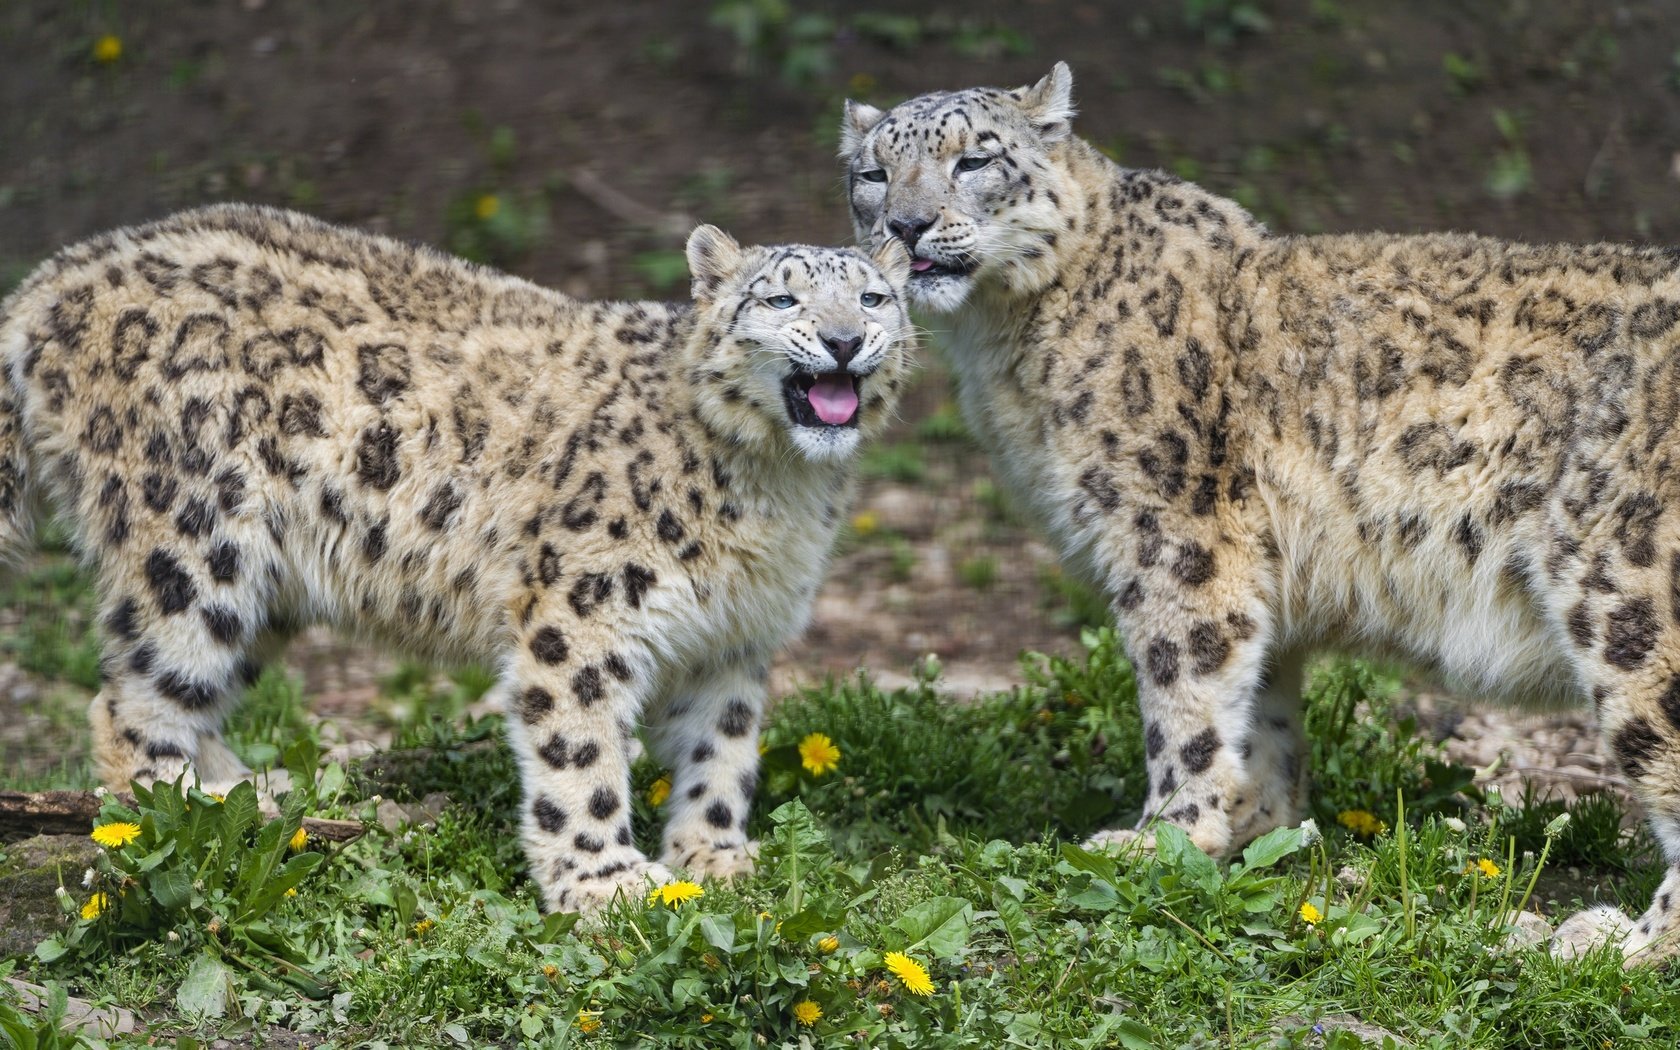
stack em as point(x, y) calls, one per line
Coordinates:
point(842, 348)
point(909, 230)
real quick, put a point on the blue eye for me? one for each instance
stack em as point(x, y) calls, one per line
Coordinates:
point(973, 163)
point(873, 175)
point(872, 299)
point(782, 302)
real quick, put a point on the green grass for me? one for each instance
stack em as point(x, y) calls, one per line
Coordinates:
point(949, 832)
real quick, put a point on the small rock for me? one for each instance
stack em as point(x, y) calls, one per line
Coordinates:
point(1525, 929)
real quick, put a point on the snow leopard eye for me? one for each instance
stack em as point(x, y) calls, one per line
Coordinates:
point(872, 299)
point(873, 175)
point(974, 162)
point(782, 302)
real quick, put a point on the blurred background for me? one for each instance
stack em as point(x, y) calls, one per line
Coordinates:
point(575, 144)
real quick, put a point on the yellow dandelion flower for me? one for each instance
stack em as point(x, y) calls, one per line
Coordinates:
point(674, 893)
point(818, 754)
point(910, 973)
point(423, 927)
point(706, 1018)
point(550, 971)
point(1310, 914)
point(117, 835)
point(807, 1013)
point(487, 206)
point(218, 796)
point(1361, 822)
point(659, 791)
point(107, 49)
point(291, 891)
point(589, 1021)
point(95, 905)
point(1487, 867)
point(300, 839)
point(828, 944)
point(866, 523)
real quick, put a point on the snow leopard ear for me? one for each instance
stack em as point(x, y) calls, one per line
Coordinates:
point(713, 258)
point(859, 119)
point(1049, 103)
point(893, 260)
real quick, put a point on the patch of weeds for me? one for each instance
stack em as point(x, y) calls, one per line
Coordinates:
point(1363, 753)
point(1465, 76)
point(495, 227)
point(773, 35)
point(272, 713)
point(54, 599)
point(945, 424)
point(901, 564)
point(1066, 749)
point(664, 269)
point(1223, 22)
point(1512, 174)
point(1073, 602)
point(899, 461)
point(980, 572)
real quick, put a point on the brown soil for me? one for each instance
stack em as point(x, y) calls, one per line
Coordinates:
point(622, 122)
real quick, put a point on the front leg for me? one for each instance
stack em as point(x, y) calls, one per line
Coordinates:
point(575, 699)
point(1197, 633)
point(708, 735)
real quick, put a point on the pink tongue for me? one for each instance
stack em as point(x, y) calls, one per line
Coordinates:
point(834, 399)
point(922, 265)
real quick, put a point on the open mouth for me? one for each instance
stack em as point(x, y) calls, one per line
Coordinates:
point(927, 269)
point(827, 399)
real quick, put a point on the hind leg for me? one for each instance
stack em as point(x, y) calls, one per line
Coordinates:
point(708, 735)
point(1627, 648)
point(178, 631)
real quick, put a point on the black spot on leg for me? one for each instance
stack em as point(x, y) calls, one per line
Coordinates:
point(171, 585)
point(622, 836)
point(737, 719)
point(550, 817)
point(587, 685)
point(123, 621)
point(603, 803)
point(617, 667)
point(588, 843)
point(670, 528)
point(701, 753)
point(1635, 744)
point(1197, 753)
point(1208, 648)
point(1194, 565)
point(718, 815)
point(1580, 625)
point(194, 696)
point(1153, 740)
point(637, 581)
point(1163, 662)
point(586, 754)
point(222, 622)
point(1670, 702)
point(196, 518)
point(1630, 633)
point(140, 661)
point(554, 751)
point(549, 646)
point(534, 703)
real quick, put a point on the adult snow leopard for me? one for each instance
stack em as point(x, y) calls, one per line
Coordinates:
point(1457, 450)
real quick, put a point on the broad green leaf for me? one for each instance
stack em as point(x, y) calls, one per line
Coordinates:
point(939, 926)
point(1271, 847)
point(719, 932)
point(1101, 865)
point(207, 989)
point(171, 888)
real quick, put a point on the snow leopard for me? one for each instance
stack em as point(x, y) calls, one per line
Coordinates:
point(1449, 449)
point(252, 421)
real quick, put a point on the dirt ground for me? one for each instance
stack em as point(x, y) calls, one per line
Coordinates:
point(601, 131)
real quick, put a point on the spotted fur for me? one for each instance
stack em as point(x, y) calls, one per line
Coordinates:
point(254, 421)
point(1450, 449)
